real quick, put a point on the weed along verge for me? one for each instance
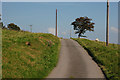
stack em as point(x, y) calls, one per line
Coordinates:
point(28, 55)
point(105, 56)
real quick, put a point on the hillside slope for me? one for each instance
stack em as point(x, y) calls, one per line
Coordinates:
point(106, 56)
point(28, 55)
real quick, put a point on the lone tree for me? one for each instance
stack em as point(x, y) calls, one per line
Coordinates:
point(83, 24)
point(12, 26)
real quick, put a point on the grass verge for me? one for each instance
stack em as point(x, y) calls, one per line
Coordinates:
point(105, 56)
point(36, 60)
point(0, 53)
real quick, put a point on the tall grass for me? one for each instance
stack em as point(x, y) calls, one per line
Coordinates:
point(106, 56)
point(28, 61)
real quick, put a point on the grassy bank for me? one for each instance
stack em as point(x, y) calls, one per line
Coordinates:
point(105, 56)
point(33, 60)
point(0, 53)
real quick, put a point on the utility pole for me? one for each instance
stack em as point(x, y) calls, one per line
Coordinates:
point(107, 28)
point(56, 23)
point(30, 28)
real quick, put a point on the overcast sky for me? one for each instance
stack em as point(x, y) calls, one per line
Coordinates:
point(42, 16)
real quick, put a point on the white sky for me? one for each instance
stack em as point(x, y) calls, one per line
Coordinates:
point(59, 0)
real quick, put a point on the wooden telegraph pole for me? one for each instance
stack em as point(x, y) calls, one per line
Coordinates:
point(56, 23)
point(107, 28)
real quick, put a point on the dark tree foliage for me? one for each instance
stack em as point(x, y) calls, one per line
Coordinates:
point(1, 24)
point(0, 17)
point(12, 26)
point(83, 24)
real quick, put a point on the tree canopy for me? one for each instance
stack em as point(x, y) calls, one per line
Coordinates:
point(1, 23)
point(12, 26)
point(83, 24)
point(0, 17)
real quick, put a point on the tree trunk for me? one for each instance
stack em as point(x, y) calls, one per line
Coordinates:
point(79, 35)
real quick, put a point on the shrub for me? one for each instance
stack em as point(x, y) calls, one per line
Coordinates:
point(12, 26)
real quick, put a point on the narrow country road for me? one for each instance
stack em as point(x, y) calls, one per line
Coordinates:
point(74, 62)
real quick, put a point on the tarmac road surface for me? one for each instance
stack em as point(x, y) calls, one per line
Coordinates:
point(74, 62)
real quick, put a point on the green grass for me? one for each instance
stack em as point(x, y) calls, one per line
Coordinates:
point(0, 53)
point(105, 56)
point(23, 61)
